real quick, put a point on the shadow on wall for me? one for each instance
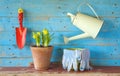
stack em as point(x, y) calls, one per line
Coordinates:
point(29, 40)
point(57, 54)
point(108, 33)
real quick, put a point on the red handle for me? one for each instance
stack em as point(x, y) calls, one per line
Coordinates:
point(20, 17)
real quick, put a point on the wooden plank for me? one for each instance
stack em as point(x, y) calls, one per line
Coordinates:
point(97, 52)
point(13, 51)
point(103, 62)
point(57, 74)
point(15, 62)
point(59, 8)
point(53, 23)
point(56, 69)
point(110, 38)
point(104, 8)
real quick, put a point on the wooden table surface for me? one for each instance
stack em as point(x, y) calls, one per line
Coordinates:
point(56, 69)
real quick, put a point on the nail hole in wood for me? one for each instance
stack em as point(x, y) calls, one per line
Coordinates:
point(112, 12)
point(115, 49)
point(115, 62)
point(64, 26)
point(9, 39)
point(10, 12)
point(10, 62)
point(13, 34)
point(115, 4)
point(64, 12)
point(12, 54)
point(59, 7)
point(9, 48)
point(13, 27)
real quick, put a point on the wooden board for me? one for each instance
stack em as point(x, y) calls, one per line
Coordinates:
point(55, 69)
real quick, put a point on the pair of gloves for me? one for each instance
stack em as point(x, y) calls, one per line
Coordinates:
point(73, 57)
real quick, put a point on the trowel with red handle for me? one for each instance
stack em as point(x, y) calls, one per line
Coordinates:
point(20, 31)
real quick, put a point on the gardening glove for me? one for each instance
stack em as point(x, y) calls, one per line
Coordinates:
point(65, 59)
point(78, 55)
point(73, 62)
point(69, 61)
point(69, 67)
point(88, 67)
point(84, 64)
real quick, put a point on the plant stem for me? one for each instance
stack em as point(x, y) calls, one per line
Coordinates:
point(37, 43)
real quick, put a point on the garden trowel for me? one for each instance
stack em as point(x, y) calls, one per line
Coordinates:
point(20, 31)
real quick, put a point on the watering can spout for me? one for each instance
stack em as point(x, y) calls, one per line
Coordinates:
point(71, 16)
point(66, 40)
point(81, 36)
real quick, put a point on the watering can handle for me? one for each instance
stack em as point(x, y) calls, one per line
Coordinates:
point(90, 8)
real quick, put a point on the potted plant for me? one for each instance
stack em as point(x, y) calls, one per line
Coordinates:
point(41, 53)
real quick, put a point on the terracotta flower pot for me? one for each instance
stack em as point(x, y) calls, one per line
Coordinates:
point(41, 57)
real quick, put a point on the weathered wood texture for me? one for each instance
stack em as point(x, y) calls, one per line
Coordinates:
point(51, 14)
point(56, 69)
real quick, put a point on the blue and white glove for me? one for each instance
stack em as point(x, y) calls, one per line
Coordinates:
point(69, 61)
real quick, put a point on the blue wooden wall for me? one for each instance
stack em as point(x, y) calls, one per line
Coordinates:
point(51, 14)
